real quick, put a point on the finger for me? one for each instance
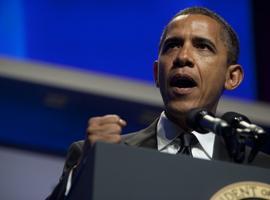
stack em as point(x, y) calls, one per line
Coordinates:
point(122, 122)
point(104, 138)
point(112, 119)
point(105, 129)
point(106, 119)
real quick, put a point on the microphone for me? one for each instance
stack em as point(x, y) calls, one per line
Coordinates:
point(237, 120)
point(204, 121)
point(243, 126)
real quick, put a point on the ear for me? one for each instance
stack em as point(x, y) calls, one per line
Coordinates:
point(155, 71)
point(234, 76)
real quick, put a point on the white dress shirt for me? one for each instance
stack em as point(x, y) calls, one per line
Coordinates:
point(167, 131)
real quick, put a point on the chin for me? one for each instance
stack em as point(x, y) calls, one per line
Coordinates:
point(177, 108)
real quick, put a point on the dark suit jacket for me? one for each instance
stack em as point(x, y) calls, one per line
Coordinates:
point(145, 138)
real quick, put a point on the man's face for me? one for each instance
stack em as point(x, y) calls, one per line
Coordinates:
point(192, 68)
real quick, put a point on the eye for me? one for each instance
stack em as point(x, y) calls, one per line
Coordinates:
point(170, 45)
point(204, 46)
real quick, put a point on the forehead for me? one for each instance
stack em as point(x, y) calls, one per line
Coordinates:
point(194, 25)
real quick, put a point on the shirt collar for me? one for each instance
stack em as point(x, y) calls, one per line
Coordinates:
point(167, 131)
point(206, 141)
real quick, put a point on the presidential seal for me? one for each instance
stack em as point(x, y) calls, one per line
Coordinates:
point(248, 190)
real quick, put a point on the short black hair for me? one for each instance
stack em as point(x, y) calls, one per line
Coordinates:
point(229, 35)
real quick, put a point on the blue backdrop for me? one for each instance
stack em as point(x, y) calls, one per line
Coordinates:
point(115, 37)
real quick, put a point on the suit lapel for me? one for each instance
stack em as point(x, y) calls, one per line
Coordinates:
point(144, 138)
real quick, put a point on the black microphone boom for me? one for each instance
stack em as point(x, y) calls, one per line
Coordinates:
point(204, 121)
point(240, 121)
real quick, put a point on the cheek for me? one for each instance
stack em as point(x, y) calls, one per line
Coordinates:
point(212, 72)
point(163, 72)
point(214, 82)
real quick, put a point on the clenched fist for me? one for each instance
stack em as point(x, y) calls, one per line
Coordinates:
point(106, 128)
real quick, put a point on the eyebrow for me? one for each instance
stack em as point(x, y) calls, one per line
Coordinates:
point(196, 39)
point(207, 41)
point(172, 39)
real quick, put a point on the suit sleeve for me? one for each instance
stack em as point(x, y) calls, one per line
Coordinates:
point(73, 156)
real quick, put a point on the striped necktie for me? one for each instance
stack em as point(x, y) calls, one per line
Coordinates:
point(187, 140)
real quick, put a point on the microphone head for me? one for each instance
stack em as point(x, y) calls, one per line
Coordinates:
point(234, 118)
point(194, 117)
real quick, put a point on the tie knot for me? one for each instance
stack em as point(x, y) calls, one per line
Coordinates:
point(188, 139)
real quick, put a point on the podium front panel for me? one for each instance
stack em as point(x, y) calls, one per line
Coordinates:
point(126, 173)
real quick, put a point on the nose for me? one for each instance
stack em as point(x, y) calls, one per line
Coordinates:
point(183, 57)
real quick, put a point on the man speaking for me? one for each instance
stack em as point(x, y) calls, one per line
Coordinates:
point(197, 61)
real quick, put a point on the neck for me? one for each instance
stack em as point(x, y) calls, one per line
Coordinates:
point(179, 120)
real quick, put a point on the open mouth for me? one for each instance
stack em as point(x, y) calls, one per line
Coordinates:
point(182, 81)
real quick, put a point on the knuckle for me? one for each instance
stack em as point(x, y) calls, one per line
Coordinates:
point(93, 120)
point(92, 138)
point(116, 138)
point(93, 129)
point(117, 128)
point(113, 116)
point(90, 130)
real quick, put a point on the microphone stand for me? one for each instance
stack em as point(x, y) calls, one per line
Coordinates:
point(255, 137)
point(235, 144)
